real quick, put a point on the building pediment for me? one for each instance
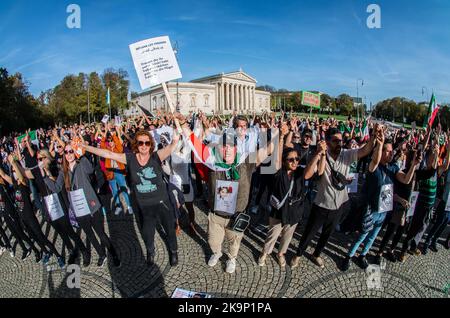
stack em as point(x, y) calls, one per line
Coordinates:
point(240, 76)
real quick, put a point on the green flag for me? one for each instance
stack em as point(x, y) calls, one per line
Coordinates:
point(33, 136)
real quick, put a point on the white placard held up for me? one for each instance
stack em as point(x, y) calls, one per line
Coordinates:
point(226, 196)
point(154, 61)
point(105, 119)
point(386, 200)
point(79, 203)
point(54, 207)
point(353, 187)
point(117, 121)
point(412, 203)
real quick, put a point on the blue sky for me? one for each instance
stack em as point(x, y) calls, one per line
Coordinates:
point(312, 45)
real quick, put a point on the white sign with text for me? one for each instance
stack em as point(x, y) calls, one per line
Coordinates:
point(154, 61)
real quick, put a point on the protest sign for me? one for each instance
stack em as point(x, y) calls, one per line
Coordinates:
point(183, 293)
point(154, 61)
point(117, 121)
point(311, 99)
point(105, 119)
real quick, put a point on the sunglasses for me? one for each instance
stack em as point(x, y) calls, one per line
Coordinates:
point(41, 158)
point(291, 160)
point(141, 143)
point(69, 151)
point(59, 147)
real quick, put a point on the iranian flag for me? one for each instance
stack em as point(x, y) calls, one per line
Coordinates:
point(433, 110)
point(365, 129)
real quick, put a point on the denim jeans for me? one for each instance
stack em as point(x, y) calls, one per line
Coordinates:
point(369, 237)
point(118, 184)
point(443, 217)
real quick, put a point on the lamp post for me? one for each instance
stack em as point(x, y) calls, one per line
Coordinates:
point(357, 94)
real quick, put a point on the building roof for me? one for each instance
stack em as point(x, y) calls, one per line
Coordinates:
point(230, 74)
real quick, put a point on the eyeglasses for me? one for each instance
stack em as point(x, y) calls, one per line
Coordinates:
point(291, 160)
point(141, 143)
point(69, 151)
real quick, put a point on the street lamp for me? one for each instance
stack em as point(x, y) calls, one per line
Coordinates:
point(357, 93)
point(424, 88)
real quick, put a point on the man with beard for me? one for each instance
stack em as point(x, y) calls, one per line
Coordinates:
point(332, 164)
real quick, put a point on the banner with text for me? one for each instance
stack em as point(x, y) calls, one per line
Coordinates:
point(311, 99)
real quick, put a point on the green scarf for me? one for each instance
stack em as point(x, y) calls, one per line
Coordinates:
point(231, 172)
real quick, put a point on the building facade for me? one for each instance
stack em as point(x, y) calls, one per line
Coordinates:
point(221, 94)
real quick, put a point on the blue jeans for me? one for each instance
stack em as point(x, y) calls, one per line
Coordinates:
point(118, 184)
point(369, 237)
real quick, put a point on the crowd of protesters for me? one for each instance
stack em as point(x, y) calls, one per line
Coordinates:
point(293, 174)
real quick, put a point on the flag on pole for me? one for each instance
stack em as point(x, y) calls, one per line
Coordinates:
point(365, 129)
point(433, 110)
point(108, 100)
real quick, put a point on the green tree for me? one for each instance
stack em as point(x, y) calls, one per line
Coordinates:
point(344, 103)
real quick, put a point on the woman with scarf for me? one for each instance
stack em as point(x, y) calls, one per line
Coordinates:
point(74, 178)
point(149, 189)
point(47, 176)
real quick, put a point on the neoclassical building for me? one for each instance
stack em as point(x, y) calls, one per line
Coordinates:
point(221, 93)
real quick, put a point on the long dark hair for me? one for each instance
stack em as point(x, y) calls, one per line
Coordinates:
point(285, 154)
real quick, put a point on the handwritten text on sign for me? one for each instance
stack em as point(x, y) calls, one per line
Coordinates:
point(311, 99)
point(154, 61)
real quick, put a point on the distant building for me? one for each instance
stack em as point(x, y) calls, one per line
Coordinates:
point(221, 93)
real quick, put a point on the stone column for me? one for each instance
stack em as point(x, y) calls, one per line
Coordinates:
point(228, 96)
point(216, 107)
point(222, 96)
point(241, 97)
point(232, 97)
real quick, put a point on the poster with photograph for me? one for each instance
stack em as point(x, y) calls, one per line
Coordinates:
point(226, 196)
point(353, 187)
point(412, 203)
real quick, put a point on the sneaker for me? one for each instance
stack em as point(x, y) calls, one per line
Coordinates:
point(345, 264)
point(214, 259)
point(363, 261)
point(434, 248)
point(38, 257)
point(295, 261)
point(231, 266)
point(378, 259)
point(61, 262)
point(11, 252)
point(391, 256)
point(150, 259)
point(118, 210)
point(130, 210)
point(417, 252)
point(319, 261)
point(101, 261)
point(262, 259)
point(26, 254)
point(73, 257)
point(281, 260)
point(46, 259)
point(173, 259)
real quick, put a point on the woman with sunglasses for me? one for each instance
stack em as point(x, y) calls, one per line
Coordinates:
point(286, 200)
point(85, 203)
point(55, 200)
point(149, 188)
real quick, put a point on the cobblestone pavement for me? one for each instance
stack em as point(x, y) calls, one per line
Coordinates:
point(424, 276)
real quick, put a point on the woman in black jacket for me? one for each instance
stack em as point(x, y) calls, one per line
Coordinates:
point(286, 201)
point(75, 178)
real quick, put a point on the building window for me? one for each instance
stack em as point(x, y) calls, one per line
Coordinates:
point(154, 103)
point(193, 100)
point(163, 102)
point(206, 97)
